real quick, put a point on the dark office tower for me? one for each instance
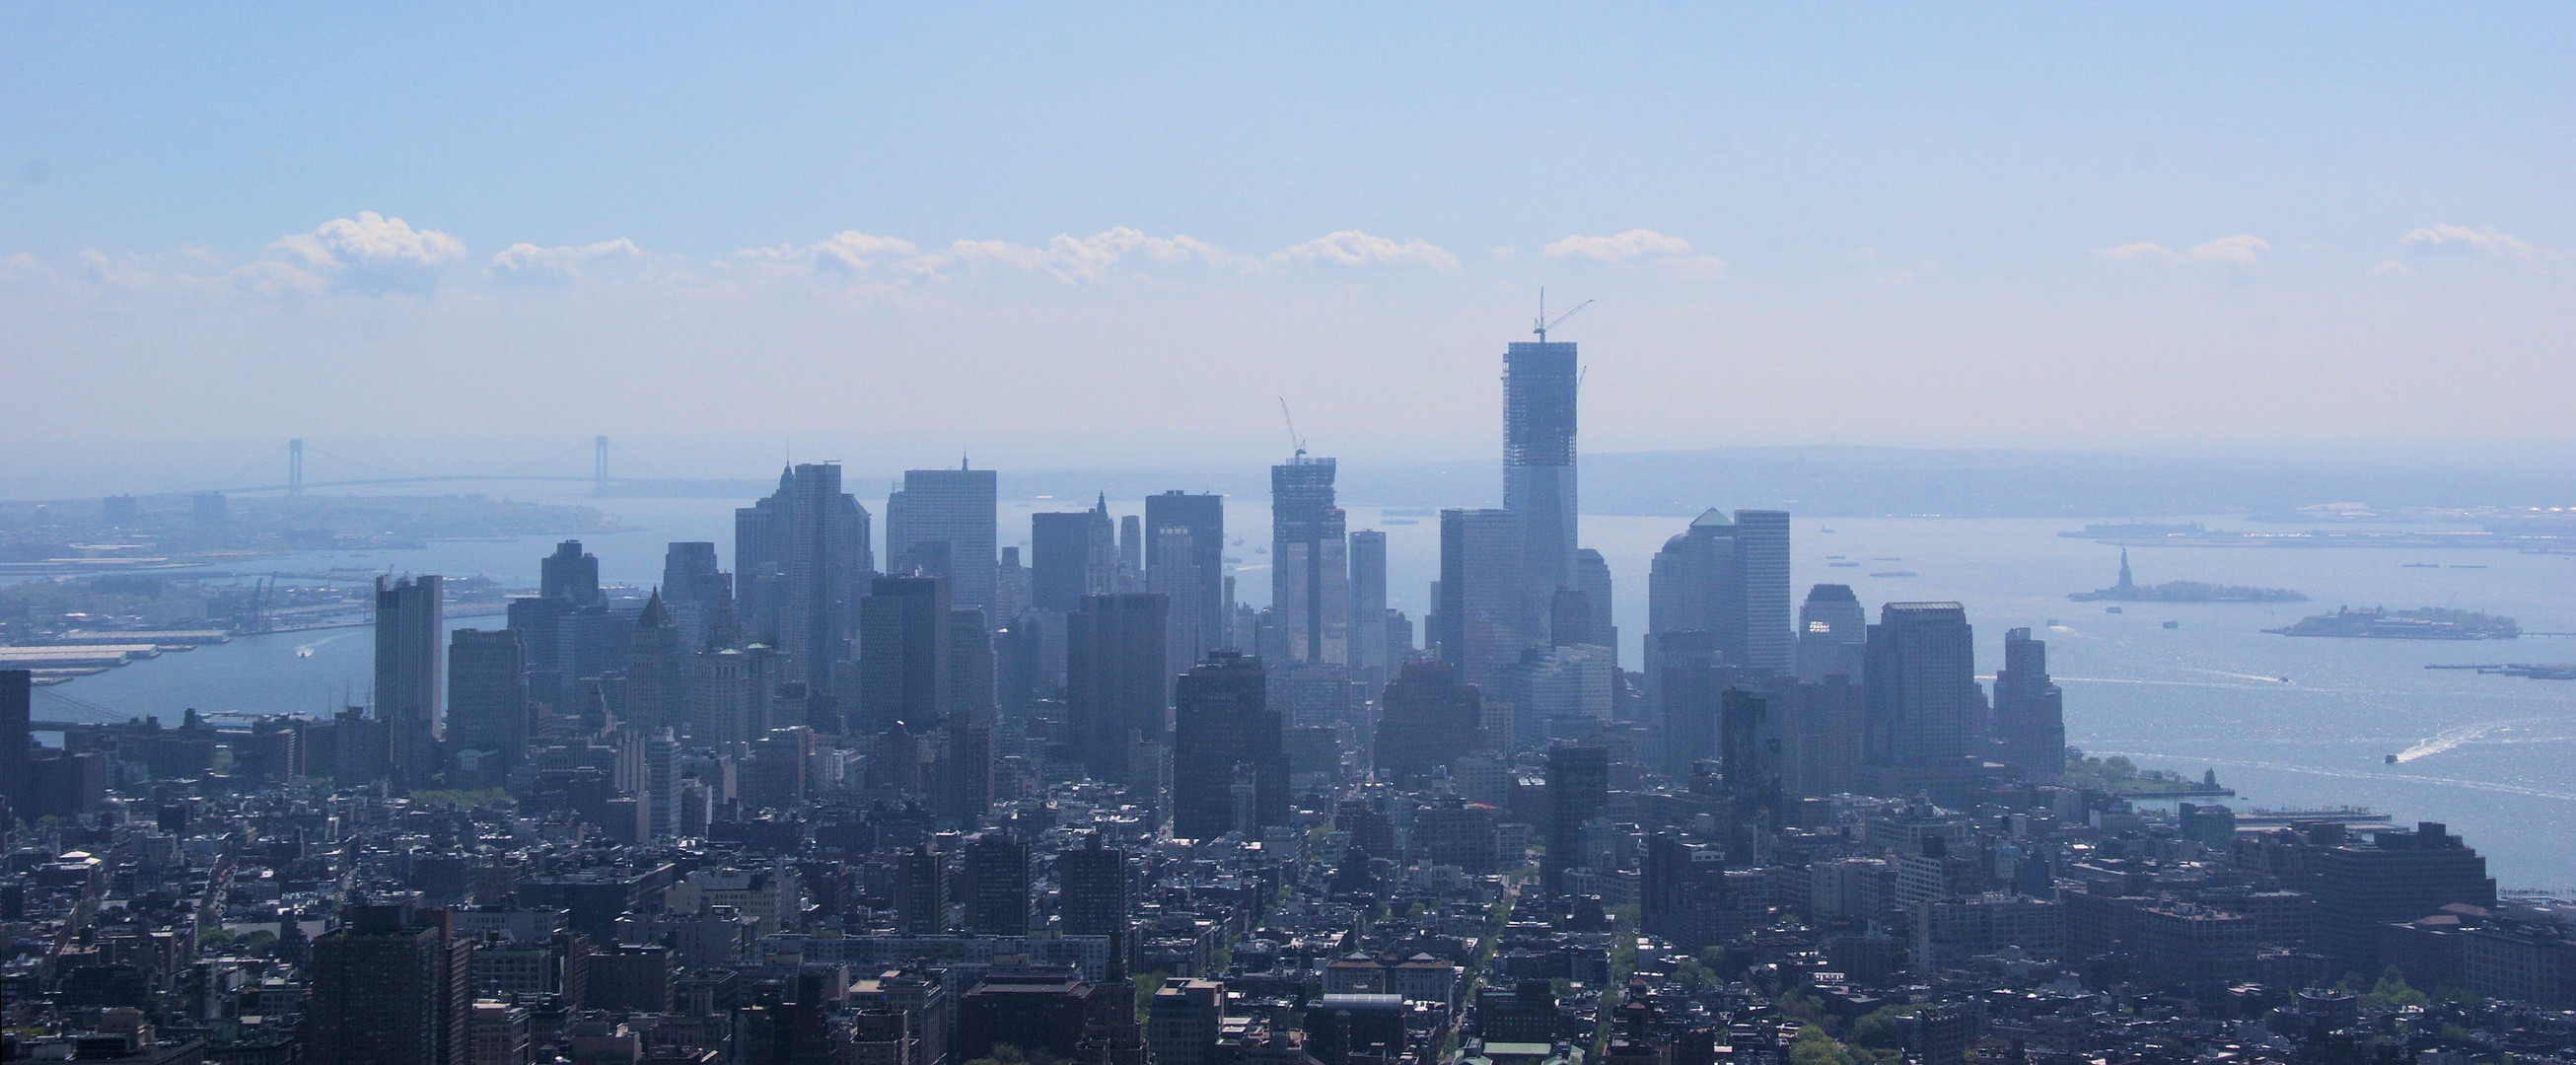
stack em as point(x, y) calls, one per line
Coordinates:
point(921, 892)
point(697, 591)
point(1309, 575)
point(970, 666)
point(1592, 578)
point(1071, 554)
point(2030, 711)
point(1203, 517)
point(487, 693)
point(1094, 899)
point(1921, 674)
point(904, 649)
point(1539, 383)
point(955, 508)
point(1749, 749)
point(389, 989)
point(800, 555)
point(657, 692)
point(1427, 719)
point(997, 885)
point(1833, 631)
point(569, 575)
point(1762, 561)
point(1115, 687)
point(410, 631)
point(1578, 788)
point(1369, 661)
point(1690, 682)
point(965, 769)
point(17, 692)
point(1485, 615)
point(1229, 754)
point(1820, 733)
point(1569, 619)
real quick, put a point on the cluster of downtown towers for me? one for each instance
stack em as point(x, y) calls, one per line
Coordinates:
point(1118, 646)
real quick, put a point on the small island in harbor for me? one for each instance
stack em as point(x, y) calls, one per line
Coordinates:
point(2423, 623)
point(2130, 591)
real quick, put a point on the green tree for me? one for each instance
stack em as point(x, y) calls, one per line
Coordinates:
point(1814, 1047)
point(2393, 992)
point(1877, 1030)
point(1146, 985)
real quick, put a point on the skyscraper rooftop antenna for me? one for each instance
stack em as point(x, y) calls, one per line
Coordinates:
point(1543, 323)
point(1294, 440)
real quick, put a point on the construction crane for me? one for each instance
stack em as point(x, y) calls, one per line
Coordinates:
point(1294, 440)
point(1543, 323)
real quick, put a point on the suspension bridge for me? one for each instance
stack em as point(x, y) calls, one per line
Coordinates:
point(343, 471)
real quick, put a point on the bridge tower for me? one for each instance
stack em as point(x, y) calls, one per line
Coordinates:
point(295, 467)
point(599, 466)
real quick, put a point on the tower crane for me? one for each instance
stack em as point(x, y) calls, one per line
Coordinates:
point(1294, 440)
point(1543, 323)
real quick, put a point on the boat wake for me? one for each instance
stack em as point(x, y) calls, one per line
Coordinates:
point(2450, 739)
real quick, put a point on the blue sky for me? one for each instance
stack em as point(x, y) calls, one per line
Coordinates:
point(1808, 224)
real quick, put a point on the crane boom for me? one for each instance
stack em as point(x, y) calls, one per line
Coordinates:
point(1294, 440)
point(1544, 324)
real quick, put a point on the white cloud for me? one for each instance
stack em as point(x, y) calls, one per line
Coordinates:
point(370, 253)
point(1350, 247)
point(848, 253)
point(528, 264)
point(24, 267)
point(2243, 249)
point(1620, 247)
point(1068, 258)
point(1076, 260)
point(2137, 250)
point(2451, 238)
point(1638, 245)
point(2390, 268)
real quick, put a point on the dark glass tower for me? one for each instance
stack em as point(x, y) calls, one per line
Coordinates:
point(1539, 384)
point(2030, 710)
point(1921, 667)
point(1229, 753)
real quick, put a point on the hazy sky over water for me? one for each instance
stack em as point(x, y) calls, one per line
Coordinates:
point(1116, 235)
